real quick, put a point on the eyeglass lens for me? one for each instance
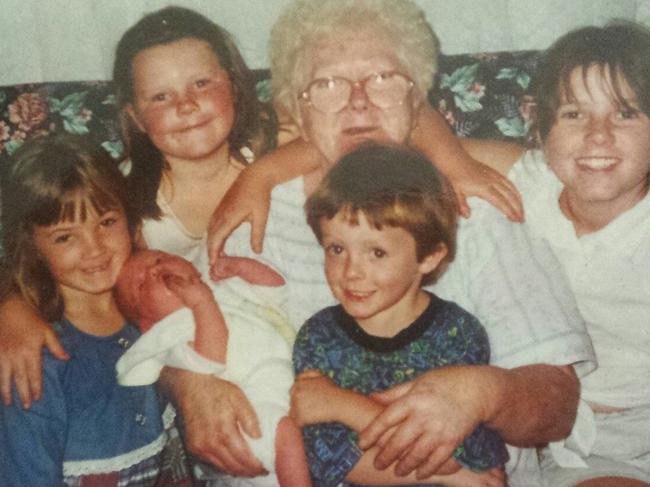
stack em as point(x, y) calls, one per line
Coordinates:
point(384, 90)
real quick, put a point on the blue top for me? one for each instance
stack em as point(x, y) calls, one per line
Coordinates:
point(86, 423)
point(333, 342)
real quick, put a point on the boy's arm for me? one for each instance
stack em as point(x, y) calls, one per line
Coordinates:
point(468, 176)
point(316, 399)
point(23, 334)
point(249, 197)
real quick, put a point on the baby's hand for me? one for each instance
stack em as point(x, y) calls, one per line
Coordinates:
point(177, 266)
point(190, 289)
point(477, 179)
point(311, 398)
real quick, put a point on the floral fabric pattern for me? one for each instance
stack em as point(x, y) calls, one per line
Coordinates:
point(480, 95)
point(487, 95)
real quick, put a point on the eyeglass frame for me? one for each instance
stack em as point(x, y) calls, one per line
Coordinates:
point(361, 83)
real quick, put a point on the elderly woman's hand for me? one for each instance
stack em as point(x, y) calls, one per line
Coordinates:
point(23, 334)
point(214, 413)
point(432, 416)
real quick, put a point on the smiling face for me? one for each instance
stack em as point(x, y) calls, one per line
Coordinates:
point(355, 57)
point(183, 100)
point(85, 256)
point(141, 290)
point(375, 274)
point(599, 148)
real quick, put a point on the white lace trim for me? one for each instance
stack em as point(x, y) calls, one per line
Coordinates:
point(124, 461)
point(168, 416)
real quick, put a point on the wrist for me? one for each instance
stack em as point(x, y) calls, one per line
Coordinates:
point(264, 173)
point(490, 386)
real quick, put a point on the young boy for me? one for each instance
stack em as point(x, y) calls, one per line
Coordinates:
point(184, 327)
point(386, 220)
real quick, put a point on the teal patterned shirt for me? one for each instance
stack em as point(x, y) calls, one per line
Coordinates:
point(332, 342)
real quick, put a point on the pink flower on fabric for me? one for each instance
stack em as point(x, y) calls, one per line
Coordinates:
point(28, 111)
point(4, 130)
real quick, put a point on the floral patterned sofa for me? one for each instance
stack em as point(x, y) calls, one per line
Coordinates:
point(480, 95)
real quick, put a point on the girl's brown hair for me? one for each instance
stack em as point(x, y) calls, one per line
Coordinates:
point(621, 50)
point(255, 124)
point(49, 180)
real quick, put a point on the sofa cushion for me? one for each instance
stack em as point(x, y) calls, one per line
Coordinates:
point(487, 95)
point(480, 95)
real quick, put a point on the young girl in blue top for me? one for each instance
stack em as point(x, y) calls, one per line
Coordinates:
point(70, 232)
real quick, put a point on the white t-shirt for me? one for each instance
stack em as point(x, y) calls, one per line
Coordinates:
point(609, 277)
point(607, 271)
point(170, 235)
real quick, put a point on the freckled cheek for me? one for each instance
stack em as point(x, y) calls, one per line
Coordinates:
point(218, 101)
point(158, 120)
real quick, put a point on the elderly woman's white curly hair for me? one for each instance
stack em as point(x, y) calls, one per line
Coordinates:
point(305, 24)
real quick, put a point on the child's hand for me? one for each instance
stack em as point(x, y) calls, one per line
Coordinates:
point(312, 396)
point(248, 199)
point(248, 269)
point(478, 179)
point(175, 265)
point(23, 334)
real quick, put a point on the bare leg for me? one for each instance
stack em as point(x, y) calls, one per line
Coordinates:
point(290, 458)
point(466, 478)
point(612, 482)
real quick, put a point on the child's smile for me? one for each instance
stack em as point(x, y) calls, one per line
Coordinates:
point(374, 274)
point(85, 257)
point(599, 145)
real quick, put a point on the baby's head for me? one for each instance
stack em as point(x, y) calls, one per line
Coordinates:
point(142, 292)
point(390, 187)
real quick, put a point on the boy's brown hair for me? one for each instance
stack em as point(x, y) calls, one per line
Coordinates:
point(393, 186)
point(620, 50)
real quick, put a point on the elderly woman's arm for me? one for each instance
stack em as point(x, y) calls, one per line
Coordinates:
point(467, 174)
point(528, 405)
point(215, 412)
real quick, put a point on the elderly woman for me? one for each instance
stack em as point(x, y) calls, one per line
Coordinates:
point(350, 71)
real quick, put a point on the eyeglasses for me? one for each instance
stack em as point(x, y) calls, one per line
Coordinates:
point(386, 89)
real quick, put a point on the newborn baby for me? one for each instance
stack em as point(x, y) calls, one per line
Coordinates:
point(183, 326)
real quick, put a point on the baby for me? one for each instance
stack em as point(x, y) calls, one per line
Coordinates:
point(183, 326)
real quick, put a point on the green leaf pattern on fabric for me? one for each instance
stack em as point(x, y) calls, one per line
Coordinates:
point(467, 92)
point(71, 108)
